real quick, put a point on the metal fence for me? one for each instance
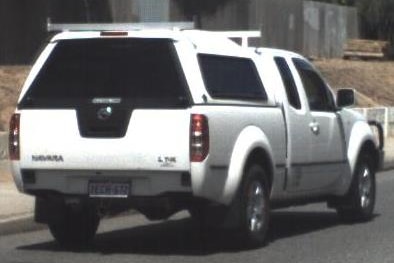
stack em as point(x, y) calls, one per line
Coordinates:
point(384, 115)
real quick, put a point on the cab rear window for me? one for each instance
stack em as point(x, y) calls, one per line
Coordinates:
point(142, 71)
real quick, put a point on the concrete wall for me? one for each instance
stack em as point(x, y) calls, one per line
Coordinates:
point(281, 22)
point(151, 10)
point(122, 11)
point(314, 29)
point(21, 35)
point(326, 28)
point(232, 16)
point(23, 23)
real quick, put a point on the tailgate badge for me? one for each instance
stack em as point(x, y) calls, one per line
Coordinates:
point(104, 113)
point(106, 100)
point(166, 161)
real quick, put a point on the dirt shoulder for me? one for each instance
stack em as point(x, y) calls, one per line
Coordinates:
point(373, 79)
point(11, 81)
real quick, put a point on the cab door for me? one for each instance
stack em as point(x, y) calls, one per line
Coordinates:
point(327, 150)
point(298, 119)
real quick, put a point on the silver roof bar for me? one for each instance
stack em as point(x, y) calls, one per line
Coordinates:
point(243, 35)
point(119, 26)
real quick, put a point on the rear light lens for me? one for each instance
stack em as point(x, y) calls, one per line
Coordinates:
point(199, 138)
point(13, 142)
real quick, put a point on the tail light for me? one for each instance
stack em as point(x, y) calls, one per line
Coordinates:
point(199, 138)
point(113, 33)
point(13, 142)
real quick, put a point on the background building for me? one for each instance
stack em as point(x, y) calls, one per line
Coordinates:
point(311, 28)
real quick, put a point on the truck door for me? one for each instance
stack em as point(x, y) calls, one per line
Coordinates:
point(327, 151)
point(299, 136)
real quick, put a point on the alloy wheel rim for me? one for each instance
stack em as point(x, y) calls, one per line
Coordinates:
point(255, 207)
point(365, 187)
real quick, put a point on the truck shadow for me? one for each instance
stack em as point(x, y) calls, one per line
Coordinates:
point(287, 224)
point(182, 237)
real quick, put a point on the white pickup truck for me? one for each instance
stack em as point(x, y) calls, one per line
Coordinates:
point(165, 120)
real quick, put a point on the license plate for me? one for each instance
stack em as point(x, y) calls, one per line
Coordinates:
point(109, 189)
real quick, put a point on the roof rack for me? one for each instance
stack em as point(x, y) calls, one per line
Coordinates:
point(243, 35)
point(51, 27)
point(59, 27)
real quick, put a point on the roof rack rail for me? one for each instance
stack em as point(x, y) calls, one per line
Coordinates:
point(51, 27)
point(243, 35)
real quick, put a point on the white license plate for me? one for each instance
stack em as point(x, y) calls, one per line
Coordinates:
point(109, 189)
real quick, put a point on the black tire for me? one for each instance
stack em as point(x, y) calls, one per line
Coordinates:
point(77, 227)
point(255, 207)
point(358, 204)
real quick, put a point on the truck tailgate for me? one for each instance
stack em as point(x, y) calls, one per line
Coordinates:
point(155, 140)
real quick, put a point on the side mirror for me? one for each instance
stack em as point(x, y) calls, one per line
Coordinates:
point(345, 98)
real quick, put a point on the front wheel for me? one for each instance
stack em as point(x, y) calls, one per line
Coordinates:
point(255, 209)
point(359, 203)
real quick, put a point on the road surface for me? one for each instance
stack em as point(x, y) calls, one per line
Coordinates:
point(304, 234)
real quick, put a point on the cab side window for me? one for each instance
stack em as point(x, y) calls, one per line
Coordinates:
point(288, 81)
point(318, 95)
point(228, 77)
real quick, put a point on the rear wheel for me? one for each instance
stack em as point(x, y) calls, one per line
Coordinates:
point(77, 227)
point(359, 203)
point(255, 210)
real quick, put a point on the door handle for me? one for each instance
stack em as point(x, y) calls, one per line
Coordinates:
point(315, 127)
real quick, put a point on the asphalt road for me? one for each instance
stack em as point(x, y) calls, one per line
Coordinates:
point(304, 234)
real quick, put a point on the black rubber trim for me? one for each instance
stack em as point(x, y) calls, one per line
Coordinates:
point(379, 128)
point(319, 163)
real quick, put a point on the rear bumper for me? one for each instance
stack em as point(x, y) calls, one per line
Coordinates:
point(142, 183)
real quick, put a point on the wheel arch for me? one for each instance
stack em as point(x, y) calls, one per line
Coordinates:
point(361, 141)
point(261, 157)
point(358, 203)
point(251, 146)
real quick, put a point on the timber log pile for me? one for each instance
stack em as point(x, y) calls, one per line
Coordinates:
point(366, 49)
